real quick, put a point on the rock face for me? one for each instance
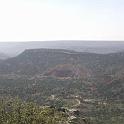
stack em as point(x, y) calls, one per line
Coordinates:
point(68, 71)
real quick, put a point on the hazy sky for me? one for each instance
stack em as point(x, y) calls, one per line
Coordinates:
point(25, 20)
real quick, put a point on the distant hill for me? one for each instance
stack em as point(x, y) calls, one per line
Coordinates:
point(38, 61)
point(15, 48)
point(100, 74)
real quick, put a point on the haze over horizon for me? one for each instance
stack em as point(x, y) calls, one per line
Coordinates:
point(41, 20)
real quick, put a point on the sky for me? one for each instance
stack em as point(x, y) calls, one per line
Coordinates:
point(40, 20)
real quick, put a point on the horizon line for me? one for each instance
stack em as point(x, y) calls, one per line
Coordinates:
point(62, 40)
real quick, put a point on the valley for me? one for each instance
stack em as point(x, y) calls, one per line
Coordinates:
point(88, 87)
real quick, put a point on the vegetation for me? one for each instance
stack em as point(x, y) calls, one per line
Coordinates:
point(14, 111)
point(77, 88)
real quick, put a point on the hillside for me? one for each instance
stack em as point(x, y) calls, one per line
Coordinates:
point(38, 61)
point(88, 83)
point(100, 69)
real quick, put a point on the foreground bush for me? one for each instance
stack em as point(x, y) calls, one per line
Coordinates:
point(14, 111)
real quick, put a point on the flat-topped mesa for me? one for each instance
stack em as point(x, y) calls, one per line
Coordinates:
point(54, 52)
point(49, 50)
point(38, 61)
